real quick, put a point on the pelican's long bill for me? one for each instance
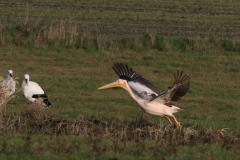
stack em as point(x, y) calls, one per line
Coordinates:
point(111, 85)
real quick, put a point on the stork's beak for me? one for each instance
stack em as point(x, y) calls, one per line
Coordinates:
point(10, 75)
point(26, 81)
point(111, 85)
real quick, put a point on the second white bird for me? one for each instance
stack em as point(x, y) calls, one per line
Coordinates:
point(33, 92)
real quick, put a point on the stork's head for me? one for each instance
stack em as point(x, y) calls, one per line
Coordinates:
point(119, 83)
point(26, 78)
point(10, 73)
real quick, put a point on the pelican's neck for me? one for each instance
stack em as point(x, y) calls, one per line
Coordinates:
point(134, 96)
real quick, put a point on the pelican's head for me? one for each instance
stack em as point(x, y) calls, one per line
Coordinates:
point(10, 73)
point(26, 78)
point(118, 83)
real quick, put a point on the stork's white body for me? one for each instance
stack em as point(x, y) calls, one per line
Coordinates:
point(8, 84)
point(30, 88)
point(33, 92)
point(7, 88)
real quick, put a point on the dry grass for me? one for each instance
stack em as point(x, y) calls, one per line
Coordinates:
point(37, 120)
point(105, 137)
point(2, 89)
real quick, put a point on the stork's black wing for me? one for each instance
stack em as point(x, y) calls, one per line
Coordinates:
point(44, 97)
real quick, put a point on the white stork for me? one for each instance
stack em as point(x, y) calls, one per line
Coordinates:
point(7, 87)
point(151, 100)
point(33, 92)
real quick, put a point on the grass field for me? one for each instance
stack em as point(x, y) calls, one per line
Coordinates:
point(70, 54)
point(71, 78)
point(189, 18)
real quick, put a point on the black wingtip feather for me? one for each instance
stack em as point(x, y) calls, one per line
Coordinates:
point(178, 90)
point(116, 71)
point(183, 85)
point(180, 79)
point(124, 72)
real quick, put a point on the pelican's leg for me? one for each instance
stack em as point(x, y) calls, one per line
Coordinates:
point(169, 120)
point(173, 125)
point(177, 123)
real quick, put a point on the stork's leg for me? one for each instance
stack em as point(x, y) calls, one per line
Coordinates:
point(177, 123)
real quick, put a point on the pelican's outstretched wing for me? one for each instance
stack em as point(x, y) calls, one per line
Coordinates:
point(142, 86)
point(177, 91)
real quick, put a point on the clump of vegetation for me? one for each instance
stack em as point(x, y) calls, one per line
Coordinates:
point(37, 120)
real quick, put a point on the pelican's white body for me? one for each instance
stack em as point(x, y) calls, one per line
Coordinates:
point(30, 88)
point(155, 108)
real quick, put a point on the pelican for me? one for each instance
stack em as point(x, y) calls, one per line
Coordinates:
point(7, 87)
point(150, 99)
point(33, 92)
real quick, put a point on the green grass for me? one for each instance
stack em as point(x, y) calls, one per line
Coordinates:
point(71, 78)
point(19, 146)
